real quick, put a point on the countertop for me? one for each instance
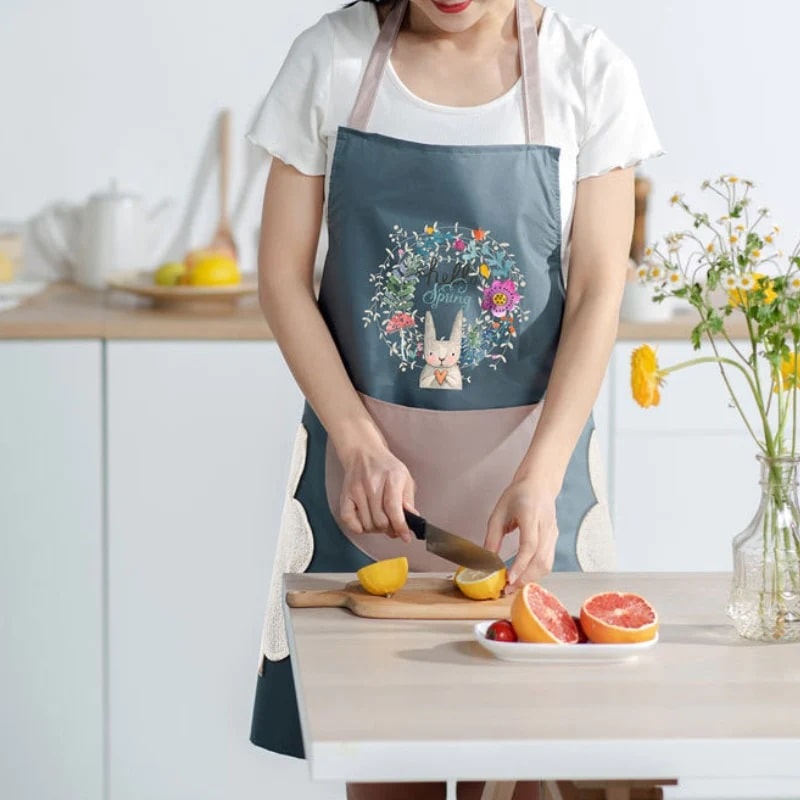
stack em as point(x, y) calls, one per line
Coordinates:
point(421, 700)
point(66, 311)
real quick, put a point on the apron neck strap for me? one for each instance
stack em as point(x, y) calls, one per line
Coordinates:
point(528, 39)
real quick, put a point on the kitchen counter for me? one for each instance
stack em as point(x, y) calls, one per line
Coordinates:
point(408, 700)
point(65, 311)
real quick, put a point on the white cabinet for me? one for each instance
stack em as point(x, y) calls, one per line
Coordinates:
point(51, 557)
point(685, 478)
point(199, 439)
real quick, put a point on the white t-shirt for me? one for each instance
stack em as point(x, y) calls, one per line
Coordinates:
point(593, 104)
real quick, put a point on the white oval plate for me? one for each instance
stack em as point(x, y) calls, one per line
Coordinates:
point(574, 653)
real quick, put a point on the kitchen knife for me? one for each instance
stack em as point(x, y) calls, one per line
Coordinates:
point(454, 548)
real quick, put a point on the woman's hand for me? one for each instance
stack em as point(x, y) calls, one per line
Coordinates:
point(377, 488)
point(528, 505)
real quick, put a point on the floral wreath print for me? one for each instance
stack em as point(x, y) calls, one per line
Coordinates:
point(454, 265)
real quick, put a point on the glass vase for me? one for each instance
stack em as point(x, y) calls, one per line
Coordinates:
point(764, 599)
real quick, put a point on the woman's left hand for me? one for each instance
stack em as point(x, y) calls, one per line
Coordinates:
point(526, 504)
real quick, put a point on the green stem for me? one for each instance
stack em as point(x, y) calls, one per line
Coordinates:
point(794, 404)
point(768, 441)
point(732, 394)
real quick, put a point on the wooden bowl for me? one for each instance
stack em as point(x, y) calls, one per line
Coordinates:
point(140, 282)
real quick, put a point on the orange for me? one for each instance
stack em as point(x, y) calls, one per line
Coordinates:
point(539, 616)
point(618, 618)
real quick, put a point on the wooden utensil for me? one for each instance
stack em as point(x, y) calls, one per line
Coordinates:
point(420, 598)
point(223, 236)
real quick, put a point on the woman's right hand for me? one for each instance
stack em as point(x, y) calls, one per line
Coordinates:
point(377, 489)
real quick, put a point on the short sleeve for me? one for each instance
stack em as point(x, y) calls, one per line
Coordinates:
point(619, 130)
point(289, 124)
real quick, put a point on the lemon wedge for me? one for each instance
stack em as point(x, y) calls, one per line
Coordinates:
point(479, 585)
point(384, 577)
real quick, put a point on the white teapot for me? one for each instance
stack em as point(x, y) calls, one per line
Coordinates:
point(112, 232)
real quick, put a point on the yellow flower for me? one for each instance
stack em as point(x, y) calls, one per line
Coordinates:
point(788, 377)
point(734, 239)
point(485, 271)
point(765, 284)
point(675, 199)
point(756, 254)
point(710, 247)
point(769, 239)
point(733, 179)
point(648, 251)
point(747, 284)
point(740, 228)
point(646, 377)
point(429, 229)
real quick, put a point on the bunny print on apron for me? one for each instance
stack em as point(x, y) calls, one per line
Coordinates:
point(443, 291)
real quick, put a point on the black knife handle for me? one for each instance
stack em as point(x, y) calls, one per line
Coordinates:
point(417, 524)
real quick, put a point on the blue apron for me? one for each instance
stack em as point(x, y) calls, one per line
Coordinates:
point(443, 291)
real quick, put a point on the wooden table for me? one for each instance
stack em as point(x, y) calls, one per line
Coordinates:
point(418, 700)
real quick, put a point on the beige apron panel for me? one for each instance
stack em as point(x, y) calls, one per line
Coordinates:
point(461, 461)
point(293, 553)
point(594, 546)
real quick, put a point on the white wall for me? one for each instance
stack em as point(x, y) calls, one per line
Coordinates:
point(95, 89)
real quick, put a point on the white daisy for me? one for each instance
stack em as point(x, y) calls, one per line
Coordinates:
point(731, 282)
point(675, 280)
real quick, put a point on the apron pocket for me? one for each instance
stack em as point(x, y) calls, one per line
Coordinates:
point(461, 461)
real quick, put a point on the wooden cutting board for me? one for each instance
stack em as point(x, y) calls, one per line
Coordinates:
point(420, 598)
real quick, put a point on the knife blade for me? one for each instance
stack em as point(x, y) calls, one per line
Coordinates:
point(454, 548)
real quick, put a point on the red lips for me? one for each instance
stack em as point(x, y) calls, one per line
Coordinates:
point(453, 8)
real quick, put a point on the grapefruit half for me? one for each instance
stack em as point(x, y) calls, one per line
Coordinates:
point(539, 616)
point(618, 618)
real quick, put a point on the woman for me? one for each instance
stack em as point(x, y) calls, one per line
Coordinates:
point(466, 155)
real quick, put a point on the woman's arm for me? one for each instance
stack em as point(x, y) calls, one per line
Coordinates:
point(601, 236)
point(377, 485)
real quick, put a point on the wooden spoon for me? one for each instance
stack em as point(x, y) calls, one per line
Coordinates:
point(223, 236)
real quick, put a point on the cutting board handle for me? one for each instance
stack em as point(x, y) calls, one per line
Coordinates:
point(316, 599)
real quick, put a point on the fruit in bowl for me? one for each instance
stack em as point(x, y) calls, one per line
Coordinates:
point(200, 268)
point(501, 631)
point(539, 617)
point(170, 274)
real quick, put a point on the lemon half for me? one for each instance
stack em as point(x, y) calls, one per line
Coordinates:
point(479, 585)
point(384, 577)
